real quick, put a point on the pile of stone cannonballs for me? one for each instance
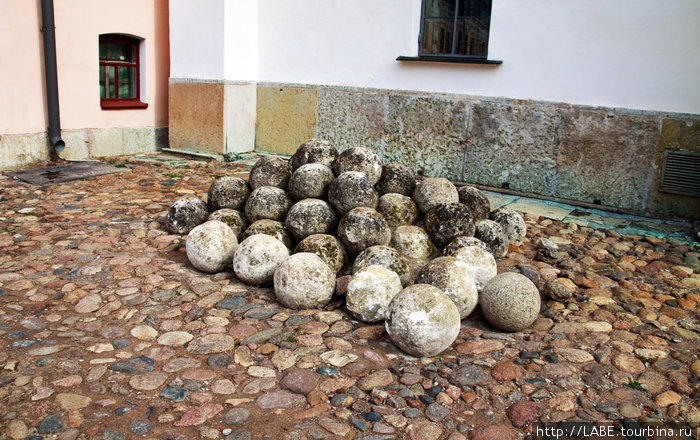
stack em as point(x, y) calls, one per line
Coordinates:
point(420, 254)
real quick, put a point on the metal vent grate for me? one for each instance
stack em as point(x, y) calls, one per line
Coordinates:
point(680, 173)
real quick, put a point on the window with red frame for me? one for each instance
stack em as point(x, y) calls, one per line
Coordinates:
point(120, 72)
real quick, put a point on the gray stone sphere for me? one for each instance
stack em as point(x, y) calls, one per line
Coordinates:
point(453, 277)
point(185, 214)
point(477, 202)
point(273, 228)
point(387, 257)
point(396, 178)
point(233, 218)
point(413, 242)
point(361, 228)
point(267, 202)
point(398, 209)
point(359, 159)
point(422, 321)
point(464, 241)
point(328, 247)
point(256, 259)
point(493, 235)
point(310, 216)
point(369, 292)
point(314, 151)
point(210, 246)
point(351, 190)
point(447, 221)
point(227, 192)
point(481, 264)
point(433, 191)
point(270, 171)
point(512, 223)
point(304, 281)
point(510, 302)
point(310, 181)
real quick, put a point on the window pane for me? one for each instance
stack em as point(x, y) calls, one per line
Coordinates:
point(127, 83)
point(119, 52)
point(439, 8)
point(437, 35)
point(107, 82)
point(472, 36)
point(467, 34)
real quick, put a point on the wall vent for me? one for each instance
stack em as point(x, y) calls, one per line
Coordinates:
point(680, 173)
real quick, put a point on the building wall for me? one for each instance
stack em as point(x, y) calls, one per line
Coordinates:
point(88, 130)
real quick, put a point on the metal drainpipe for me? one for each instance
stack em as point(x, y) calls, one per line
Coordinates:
point(49, 31)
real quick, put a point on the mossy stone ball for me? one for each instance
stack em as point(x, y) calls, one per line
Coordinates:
point(493, 235)
point(359, 159)
point(433, 191)
point(310, 181)
point(270, 171)
point(314, 151)
point(256, 259)
point(267, 202)
point(477, 202)
point(227, 192)
point(481, 264)
point(447, 221)
point(233, 218)
point(398, 209)
point(310, 216)
point(350, 190)
point(422, 320)
point(510, 302)
point(369, 292)
point(273, 228)
point(453, 277)
point(361, 228)
point(304, 281)
point(210, 246)
point(512, 223)
point(328, 247)
point(413, 242)
point(185, 214)
point(464, 241)
point(387, 257)
point(396, 178)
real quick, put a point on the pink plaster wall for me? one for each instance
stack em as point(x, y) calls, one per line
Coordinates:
point(78, 26)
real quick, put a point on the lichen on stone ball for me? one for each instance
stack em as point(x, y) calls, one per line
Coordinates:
point(273, 228)
point(256, 259)
point(464, 241)
point(233, 218)
point(304, 281)
point(359, 159)
point(493, 235)
point(350, 190)
point(267, 202)
point(512, 223)
point(510, 302)
point(413, 242)
point(398, 209)
point(387, 257)
point(185, 214)
point(477, 202)
point(481, 263)
point(310, 216)
point(369, 292)
point(326, 246)
point(453, 277)
point(310, 181)
point(396, 178)
point(227, 192)
point(361, 228)
point(210, 246)
point(422, 320)
point(270, 171)
point(433, 191)
point(447, 221)
point(314, 151)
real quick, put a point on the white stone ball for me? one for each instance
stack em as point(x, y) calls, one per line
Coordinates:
point(512, 223)
point(210, 246)
point(360, 159)
point(257, 258)
point(452, 276)
point(433, 191)
point(304, 281)
point(510, 302)
point(481, 264)
point(422, 321)
point(369, 292)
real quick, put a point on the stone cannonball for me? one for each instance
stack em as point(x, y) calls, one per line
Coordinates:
point(361, 228)
point(210, 246)
point(493, 235)
point(267, 202)
point(314, 151)
point(398, 209)
point(387, 257)
point(453, 277)
point(477, 202)
point(447, 221)
point(396, 178)
point(257, 258)
point(359, 159)
point(270, 171)
point(481, 264)
point(512, 223)
point(413, 242)
point(464, 241)
point(369, 292)
point(185, 214)
point(510, 302)
point(273, 228)
point(310, 216)
point(310, 181)
point(227, 192)
point(422, 321)
point(328, 247)
point(304, 281)
point(433, 191)
point(233, 218)
point(350, 190)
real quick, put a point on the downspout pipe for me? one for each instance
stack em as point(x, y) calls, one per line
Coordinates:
point(49, 31)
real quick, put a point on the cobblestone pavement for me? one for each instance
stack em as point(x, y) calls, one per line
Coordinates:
point(106, 331)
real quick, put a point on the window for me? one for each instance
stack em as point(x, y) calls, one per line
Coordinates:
point(455, 28)
point(120, 72)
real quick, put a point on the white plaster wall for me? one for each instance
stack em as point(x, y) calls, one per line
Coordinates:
point(241, 40)
point(641, 54)
point(197, 39)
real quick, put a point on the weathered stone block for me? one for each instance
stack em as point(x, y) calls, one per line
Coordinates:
point(196, 116)
point(139, 140)
point(106, 142)
point(286, 117)
point(20, 150)
point(77, 144)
